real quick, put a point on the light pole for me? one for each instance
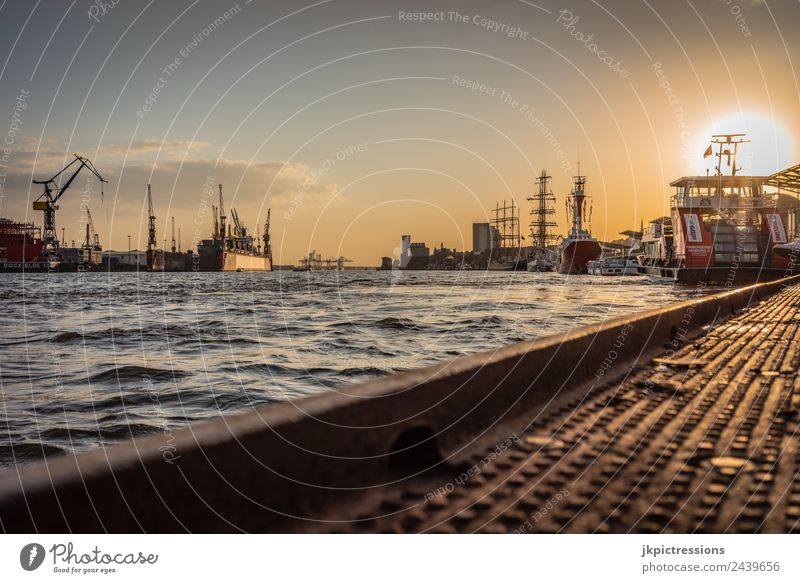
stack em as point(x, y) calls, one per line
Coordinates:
point(129, 250)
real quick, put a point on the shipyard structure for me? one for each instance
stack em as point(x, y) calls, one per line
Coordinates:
point(25, 247)
point(232, 247)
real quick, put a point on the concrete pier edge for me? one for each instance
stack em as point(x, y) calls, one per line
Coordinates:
point(276, 467)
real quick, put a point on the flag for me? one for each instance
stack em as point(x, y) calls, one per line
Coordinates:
point(707, 152)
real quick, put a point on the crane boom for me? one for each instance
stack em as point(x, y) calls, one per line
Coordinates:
point(221, 215)
point(173, 233)
point(53, 193)
point(151, 222)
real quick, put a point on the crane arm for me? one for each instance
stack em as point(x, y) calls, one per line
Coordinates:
point(84, 163)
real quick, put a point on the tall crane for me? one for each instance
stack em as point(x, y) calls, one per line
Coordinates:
point(221, 216)
point(92, 240)
point(48, 200)
point(237, 225)
point(152, 242)
point(267, 246)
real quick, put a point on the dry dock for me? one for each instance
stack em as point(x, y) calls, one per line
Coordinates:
point(676, 420)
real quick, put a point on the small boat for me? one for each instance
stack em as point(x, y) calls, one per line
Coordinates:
point(542, 260)
point(614, 266)
point(509, 265)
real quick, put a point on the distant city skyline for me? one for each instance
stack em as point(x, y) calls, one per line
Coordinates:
point(359, 122)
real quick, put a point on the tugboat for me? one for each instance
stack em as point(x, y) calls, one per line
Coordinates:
point(578, 247)
point(724, 229)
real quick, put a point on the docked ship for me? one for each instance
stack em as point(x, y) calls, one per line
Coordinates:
point(507, 253)
point(161, 259)
point(724, 228)
point(579, 247)
point(542, 256)
point(21, 247)
point(232, 247)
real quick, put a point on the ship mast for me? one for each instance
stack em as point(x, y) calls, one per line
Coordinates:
point(578, 204)
point(542, 212)
point(727, 147)
point(732, 141)
point(507, 224)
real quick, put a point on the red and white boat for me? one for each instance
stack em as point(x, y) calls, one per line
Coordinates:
point(726, 228)
point(578, 247)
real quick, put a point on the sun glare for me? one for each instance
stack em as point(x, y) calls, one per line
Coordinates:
point(770, 149)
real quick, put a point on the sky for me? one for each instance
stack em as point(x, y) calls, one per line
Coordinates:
point(358, 122)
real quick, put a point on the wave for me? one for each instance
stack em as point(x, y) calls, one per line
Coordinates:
point(130, 372)
point(394, 323)
point(361, 371)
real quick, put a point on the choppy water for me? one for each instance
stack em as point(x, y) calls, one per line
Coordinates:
point(93, 358)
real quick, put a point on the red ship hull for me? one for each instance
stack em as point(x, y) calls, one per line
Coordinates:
point(19, 242)
point(577, 254)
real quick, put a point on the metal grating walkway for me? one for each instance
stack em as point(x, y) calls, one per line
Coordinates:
point(703, 439)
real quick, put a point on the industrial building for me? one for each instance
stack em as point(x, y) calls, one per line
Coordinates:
point(134, 258)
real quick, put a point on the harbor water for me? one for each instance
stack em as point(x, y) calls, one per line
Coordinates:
point(87, 359)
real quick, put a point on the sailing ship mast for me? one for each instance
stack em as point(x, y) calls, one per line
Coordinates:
point(542, 213)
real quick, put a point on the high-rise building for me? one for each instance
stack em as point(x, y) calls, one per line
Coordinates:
point(481, 237)
point(405, 250)
point(485, 237)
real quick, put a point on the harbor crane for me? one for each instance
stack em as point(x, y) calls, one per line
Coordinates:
point(152, 242)
point(48, 200)
point(265, 236)
point(92, 240)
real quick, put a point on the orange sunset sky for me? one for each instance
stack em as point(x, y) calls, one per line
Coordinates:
point(357, 122)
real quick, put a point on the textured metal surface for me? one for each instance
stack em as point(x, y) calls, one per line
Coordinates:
point(701, 439)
